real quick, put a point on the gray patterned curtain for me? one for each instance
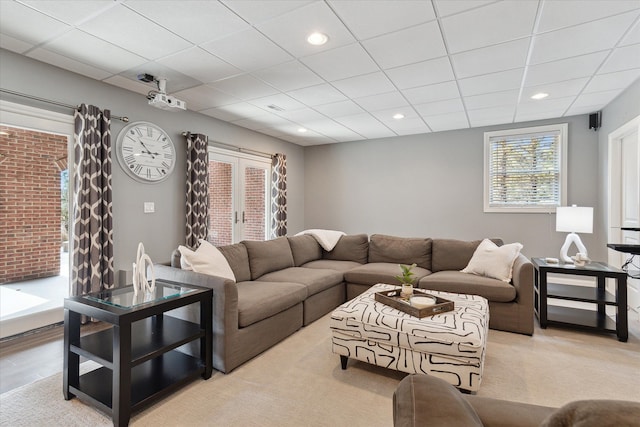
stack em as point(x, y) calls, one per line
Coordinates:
point(197, 188)
point(92, 207)
point(278, 195)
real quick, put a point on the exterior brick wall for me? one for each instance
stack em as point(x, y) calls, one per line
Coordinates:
point(220, 204)
point(30, 232)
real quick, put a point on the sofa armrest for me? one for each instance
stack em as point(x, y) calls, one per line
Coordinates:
point(225, 307)
point(522, 280)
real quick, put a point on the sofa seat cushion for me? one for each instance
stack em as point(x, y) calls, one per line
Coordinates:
point(314, 279)
point(455, 281)
point(329, 264)
point(380, 272)
point(259, 300)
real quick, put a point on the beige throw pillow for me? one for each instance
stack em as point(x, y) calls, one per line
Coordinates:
point(494, 261)
point(207, 259)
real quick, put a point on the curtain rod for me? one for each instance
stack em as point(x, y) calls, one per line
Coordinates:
point(239, 149)
point(48, 101)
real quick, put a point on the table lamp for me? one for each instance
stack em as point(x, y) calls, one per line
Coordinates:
point(573, 219)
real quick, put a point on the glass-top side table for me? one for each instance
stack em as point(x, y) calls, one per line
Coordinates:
point(138, 354)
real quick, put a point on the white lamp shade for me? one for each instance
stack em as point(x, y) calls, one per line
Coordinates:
point(574, 219)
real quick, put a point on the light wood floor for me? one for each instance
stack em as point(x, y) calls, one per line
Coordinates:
point(33, 356)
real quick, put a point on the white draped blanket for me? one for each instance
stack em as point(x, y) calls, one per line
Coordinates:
point(328, 239)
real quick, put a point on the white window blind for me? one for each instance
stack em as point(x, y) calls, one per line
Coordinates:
point(524, 169)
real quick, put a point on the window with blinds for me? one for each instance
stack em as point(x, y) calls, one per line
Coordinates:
point(525, 169)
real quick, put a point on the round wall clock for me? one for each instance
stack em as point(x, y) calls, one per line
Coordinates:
point(145, 152)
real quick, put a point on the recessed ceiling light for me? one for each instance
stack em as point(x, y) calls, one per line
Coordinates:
point(302, 130)
point(540, 95)
point(398, 116)
point(317, 39)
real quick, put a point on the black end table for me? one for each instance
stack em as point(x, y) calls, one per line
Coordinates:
point(594, 320)
point(140, 363)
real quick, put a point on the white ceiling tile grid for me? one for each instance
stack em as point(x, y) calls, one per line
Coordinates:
point(443, 64)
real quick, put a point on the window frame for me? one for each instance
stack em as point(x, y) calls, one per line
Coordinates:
point(562, 128)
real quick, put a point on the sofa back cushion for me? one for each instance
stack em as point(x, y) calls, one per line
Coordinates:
point(238, 260)
point(268, 256)
point(354, 247)
point(400, 250)
point(451, 254)
point(305, 248)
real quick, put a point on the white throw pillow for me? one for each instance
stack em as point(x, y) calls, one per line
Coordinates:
point(207, 259)
point(493, 261)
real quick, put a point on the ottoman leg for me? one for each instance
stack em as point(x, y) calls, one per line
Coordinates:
point(343, 362)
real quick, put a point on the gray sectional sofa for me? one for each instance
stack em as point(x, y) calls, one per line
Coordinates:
point(286, 283)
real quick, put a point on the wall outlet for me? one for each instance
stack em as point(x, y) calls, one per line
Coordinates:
point(149, 207)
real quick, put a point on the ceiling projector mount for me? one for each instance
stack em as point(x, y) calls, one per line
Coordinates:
point(159, 98)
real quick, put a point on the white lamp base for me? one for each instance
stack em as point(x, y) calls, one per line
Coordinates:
point(571, 238)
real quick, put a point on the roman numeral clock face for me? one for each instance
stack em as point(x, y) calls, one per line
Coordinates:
point(146, 152)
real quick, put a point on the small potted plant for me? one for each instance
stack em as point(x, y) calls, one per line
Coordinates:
point(406, 279)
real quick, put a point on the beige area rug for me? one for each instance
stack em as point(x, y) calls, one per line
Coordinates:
point(299, 383)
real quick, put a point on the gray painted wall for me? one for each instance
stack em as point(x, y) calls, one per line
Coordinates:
point(432, 185)
point(163, 230)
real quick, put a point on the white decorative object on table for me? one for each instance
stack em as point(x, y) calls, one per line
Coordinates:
point(140, 282)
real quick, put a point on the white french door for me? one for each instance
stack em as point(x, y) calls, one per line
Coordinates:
point(624, 199)
point(238, 197)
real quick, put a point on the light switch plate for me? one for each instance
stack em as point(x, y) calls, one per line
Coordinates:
point(149, 207)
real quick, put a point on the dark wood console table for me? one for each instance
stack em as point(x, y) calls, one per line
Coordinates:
point(140, 363)
point(595, 320)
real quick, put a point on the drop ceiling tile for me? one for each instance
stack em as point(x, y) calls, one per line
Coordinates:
point(491, 116)
point(288, 76)
point(291, 30)
point(439, 107)
point(622, 58)
point(248, 50)
point(317, 95)
point(13, 44)
point(133, 86)
point(491, 59)
point(555, 90)
point(341, 63)
point(442, 122)
point(244, 87)
point(382, 101)
point(280, 101)
point(232, 112)
point(366, 125)
point(564, 69)
point(596, 98)
point(365, 85)
point(70, 11)
point(196, 21)
point(25, 24)
point(386, 116)
point(127, 29)
point(581, 39)
point(421, 74)
point(339, 109)
point(495, 99)
point(203, 97)
point(495, 82)
point(539, 115)
point(53, 58)
point(88, 49)
point(508, 20)
point(560, 14)
point(546, 104)
point(264, 121)
point(408, 126)
point(448, 7)
point(578, 110)
point(366, 21)
point(417, 131)
point(301, 115)
point(175, 80)
point(619, 80)
point(255, 12)
point(199, 64)
point(436, 92)
point(332, 129)
point(407, 46)
point(632, 37)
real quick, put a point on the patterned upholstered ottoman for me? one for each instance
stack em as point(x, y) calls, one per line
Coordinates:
point(450, 345)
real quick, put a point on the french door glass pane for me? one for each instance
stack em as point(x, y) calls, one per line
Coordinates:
point(254, 220)
point(220, 203)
